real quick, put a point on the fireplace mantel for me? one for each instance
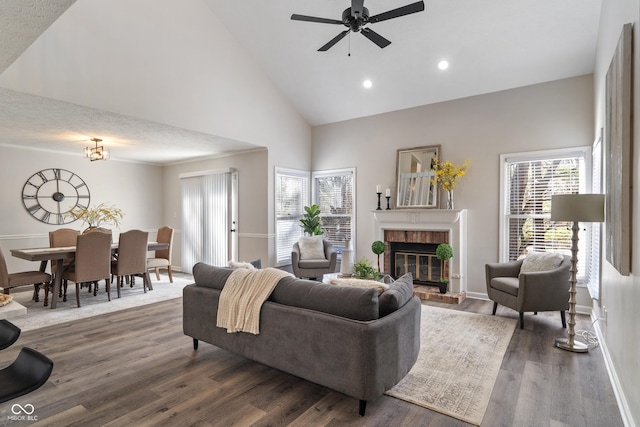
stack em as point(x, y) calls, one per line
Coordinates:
point(451, 220)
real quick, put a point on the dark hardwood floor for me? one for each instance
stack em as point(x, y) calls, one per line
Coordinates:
point(136, 367)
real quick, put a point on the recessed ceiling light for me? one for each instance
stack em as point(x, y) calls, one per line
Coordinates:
point(367, 83)
point(443, 65)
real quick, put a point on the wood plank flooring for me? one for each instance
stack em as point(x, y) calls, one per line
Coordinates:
point(136, 367)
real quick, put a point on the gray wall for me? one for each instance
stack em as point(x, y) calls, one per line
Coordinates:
point(545, 116)
point(133, 187)
point(621, 294)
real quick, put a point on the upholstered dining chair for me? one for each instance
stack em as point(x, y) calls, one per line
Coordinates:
point(162, 258)
point(92, 262)
point(311, 264)
point(525, 289)
point(60, 238)
point(28, 372)
point(132, 258)
point(12, 280)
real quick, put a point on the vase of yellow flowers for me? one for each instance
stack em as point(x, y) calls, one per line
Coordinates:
point(446, 175)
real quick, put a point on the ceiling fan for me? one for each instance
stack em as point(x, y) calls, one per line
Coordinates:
point(356, 17)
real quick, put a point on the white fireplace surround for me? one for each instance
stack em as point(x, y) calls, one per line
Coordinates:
point(453, 221)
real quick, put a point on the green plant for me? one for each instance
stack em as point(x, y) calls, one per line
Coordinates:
point(378, 248)
point(99, 215)
point(364, 270)
point(444, 252)
point(311, 220)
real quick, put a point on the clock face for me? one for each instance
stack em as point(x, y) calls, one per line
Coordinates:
point(49, 195)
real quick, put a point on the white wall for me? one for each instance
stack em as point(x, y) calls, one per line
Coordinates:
point(253, 218)
point(545, 116)
point(621, 294)
point(135, 188)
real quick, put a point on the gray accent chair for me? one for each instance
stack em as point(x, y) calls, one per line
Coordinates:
point(531, 291)
point(314, 268)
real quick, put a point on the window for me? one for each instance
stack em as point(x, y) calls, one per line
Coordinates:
point(334, 192)
point(291, 196)
point(528, 181)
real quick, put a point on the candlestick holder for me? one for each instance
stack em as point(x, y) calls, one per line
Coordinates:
point(388, 198)
point(379, 208)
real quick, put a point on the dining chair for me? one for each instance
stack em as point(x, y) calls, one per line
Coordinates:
point(162, 258)
point(132, 258)
point(94, 285)
point(92, 262)
point(60, 238)
point(12, 280)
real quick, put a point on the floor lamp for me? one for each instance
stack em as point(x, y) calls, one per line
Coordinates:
point(576, 208)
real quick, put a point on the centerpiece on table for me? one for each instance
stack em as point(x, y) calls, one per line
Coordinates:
point(446, 176)
point(98, 216)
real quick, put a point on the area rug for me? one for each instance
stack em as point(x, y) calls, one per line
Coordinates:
point(459, 360)
point(39, 316)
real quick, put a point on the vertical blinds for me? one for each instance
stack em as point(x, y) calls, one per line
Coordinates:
point(205, 219)
point(291, 196)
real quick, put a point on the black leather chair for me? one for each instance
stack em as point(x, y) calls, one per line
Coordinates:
point(9, 333)
point(27, 373)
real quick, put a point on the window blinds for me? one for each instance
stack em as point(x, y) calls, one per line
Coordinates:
point(291, 196)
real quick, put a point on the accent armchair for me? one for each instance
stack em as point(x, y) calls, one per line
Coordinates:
point(529, 291)
point(312, 268)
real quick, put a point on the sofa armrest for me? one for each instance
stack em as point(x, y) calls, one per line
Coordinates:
point(502, 269)
point(545, 290)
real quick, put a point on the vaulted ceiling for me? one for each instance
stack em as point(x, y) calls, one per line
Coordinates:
point(491, 45)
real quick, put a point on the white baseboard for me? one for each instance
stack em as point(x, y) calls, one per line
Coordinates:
point(623, 405)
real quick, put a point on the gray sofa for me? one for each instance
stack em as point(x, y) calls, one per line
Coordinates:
point(345, 338)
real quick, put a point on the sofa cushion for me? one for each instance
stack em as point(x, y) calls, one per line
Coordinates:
point(352, 303)
point(209, 276)
point(311, 247)
point(509, 285)
point(541, 261)
point(398, 294)
point(314, 263)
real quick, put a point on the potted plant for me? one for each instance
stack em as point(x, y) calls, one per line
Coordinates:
point(364, 270)
point(310, 221)
point(378, 248)
point(444, 252)
point(97, 216)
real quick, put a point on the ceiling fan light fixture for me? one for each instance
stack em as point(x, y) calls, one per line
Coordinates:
point(96, 153)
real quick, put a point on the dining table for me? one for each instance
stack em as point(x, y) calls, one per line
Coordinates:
point(59, 254)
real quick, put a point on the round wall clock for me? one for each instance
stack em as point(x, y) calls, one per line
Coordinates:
point(49, 195)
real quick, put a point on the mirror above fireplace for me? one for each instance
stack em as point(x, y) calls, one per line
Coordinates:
point(414, 172)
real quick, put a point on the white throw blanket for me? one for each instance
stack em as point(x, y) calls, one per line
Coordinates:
point(242, 297)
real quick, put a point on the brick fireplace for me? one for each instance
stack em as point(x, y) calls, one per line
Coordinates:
point(415, 252)
point(415, 233)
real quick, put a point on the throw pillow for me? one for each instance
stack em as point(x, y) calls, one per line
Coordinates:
point(399, 293)
point(540, 261)
point(360, 283)
point(311, 247)
point(236, 265)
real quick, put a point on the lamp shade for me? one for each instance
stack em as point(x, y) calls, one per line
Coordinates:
point(577, 207)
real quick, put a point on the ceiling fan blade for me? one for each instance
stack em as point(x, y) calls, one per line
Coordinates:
point(333, 41)
point(375, 37)
point(401, 11)
point(357, 8)
point(297, 17)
